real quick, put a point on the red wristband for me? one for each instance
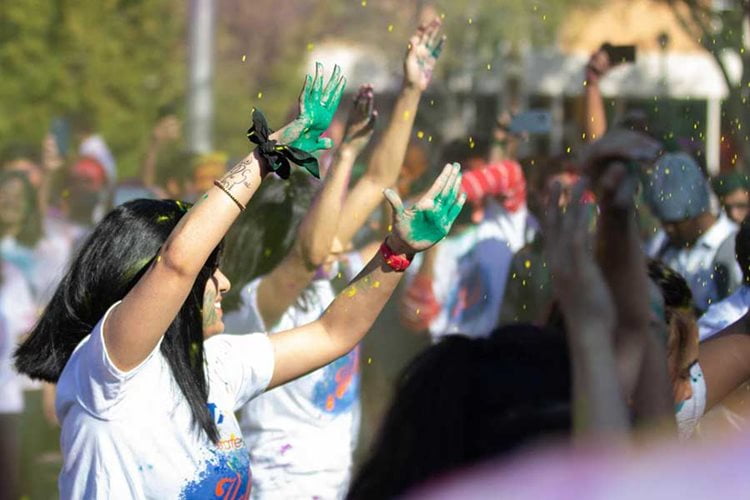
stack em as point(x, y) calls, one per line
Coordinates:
point(397, 262)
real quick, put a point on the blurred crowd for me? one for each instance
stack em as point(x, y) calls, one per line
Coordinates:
point(597, 297)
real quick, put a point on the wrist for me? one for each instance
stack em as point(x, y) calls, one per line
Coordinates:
point(396, 254)
point(398, 246)
point(263, 168)
point(410, 88)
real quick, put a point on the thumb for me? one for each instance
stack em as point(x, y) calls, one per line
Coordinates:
point(324, 143)
point(395, 200)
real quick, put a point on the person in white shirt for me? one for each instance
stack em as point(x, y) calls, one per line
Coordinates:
point(302, 435)
point(724, 313)
point(694, 242)
point(460, 285)
point(146, 405)
point(17, 316)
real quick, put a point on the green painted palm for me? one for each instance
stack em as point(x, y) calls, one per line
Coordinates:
point(428, 221)
point(317, 105)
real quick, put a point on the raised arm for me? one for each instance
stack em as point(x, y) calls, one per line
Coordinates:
point(352, 313)
point(135, 327)
point(725, 360)
point(385, 164)
point(595, 116)
point(598, 403)
point(278, 290)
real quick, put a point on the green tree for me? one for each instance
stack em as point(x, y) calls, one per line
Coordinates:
point(119, 60)
point(720, 27)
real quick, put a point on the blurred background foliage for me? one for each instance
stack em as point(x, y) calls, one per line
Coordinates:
point(124, 62)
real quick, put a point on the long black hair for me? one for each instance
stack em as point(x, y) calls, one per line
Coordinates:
point(265, 231)
point(464, 400)
point(31, 227)
point(110, 263)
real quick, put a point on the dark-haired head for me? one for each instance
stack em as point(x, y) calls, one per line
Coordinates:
point(464, 400)
point(110, 263)
point(19, 208)
point(265, 231)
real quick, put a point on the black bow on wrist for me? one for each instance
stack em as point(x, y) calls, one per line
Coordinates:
point(279, 156)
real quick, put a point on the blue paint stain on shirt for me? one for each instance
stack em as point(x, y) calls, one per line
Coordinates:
point(226, 475)
point(338, 388)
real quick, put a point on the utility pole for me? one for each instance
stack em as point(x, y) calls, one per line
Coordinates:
point(200, 69)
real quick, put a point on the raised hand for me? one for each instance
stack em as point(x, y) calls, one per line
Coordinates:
point(568, 248)
point(619, 144)
point(422, 54)
point(317, 105)
point(361, 121)
point(420, 226)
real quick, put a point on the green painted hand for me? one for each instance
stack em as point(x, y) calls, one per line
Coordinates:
point(317, 105)
point(361, 121)
point(428, 221)
point(422, 54)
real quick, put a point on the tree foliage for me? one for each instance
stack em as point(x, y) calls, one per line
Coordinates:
point(120, 61)
point(721, 30)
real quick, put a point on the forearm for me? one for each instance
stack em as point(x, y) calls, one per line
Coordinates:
point(725, 362)
point(595, 125)
point(599, 406)
point(206, 223)
point(386, 160)
point(320, 225)
point(383, 168)
point(346, 321)
point(623, 263)
point(653, 402)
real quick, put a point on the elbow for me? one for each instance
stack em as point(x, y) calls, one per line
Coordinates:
point(174, 259)
point(312, 255)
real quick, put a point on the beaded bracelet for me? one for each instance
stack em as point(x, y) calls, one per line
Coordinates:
point(219, 185)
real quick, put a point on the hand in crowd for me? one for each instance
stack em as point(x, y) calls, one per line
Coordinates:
point(422, 53)
point(568, 247)
point(317, 105)
point(360, 124)
point(420, 226)
point(620, 144)
point(51, 158)
point(597, 66)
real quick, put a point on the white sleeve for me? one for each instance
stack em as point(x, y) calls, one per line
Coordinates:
point(244, 362)
point(100, 385)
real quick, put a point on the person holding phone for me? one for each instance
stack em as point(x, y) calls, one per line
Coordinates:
point(607, 57)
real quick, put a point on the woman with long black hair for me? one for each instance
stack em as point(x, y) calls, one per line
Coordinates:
point(146, 405)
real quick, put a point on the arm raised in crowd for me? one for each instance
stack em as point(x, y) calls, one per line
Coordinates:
point(590, 318)
point(595, 116)
point(278, 290)
point(135, 327)
point(641, 355)
point(350, 316)
point(388, 156)
point(725, 360)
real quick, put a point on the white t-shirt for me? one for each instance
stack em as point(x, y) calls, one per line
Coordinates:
point(698, 263)
point(724, 313)
point(17, 317)
point(691, 410)
point(130, 435)
point(471, 270)
point(302, 434)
